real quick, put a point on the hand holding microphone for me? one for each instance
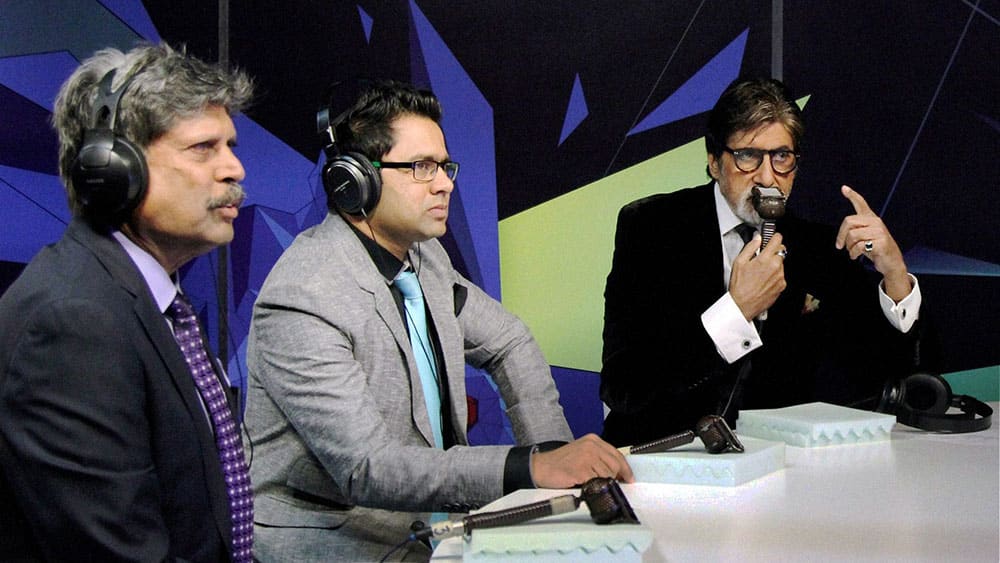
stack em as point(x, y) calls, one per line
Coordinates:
point(712, 429)
point(758, 276)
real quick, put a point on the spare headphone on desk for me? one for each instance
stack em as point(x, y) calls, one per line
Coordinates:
point(109, 173)
point(922, 401)
point(351, 182)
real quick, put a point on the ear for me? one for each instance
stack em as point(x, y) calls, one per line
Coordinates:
point(713, 166)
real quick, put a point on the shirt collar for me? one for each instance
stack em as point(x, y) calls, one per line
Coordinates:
point(727, 219)
point(157, 279)
point(388, 265)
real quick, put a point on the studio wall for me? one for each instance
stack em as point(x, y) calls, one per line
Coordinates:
point(560, 112)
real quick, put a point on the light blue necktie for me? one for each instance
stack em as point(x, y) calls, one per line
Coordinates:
point(413, 301)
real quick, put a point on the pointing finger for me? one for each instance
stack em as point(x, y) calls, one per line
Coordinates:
point(859, 203)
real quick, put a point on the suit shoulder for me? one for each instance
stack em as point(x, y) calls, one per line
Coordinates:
point(656, 202)
point(657, 207)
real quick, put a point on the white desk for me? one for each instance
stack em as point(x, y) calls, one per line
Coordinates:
point(918, 497)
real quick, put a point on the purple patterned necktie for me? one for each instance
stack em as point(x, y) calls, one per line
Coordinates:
point(227, 439)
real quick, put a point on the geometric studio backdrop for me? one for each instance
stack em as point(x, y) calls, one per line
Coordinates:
point(560, 112)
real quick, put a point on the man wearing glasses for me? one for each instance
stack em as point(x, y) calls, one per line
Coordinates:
point(357, 408)
point(699, 319)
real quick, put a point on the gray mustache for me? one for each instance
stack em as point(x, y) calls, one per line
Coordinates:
point(234, 196)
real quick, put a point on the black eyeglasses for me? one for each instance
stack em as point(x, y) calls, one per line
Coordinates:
point(782, 160)
point(423, 170)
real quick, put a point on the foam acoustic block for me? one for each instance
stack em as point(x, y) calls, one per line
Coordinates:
point(692, 465)
point(565, 538)
point(816, 424)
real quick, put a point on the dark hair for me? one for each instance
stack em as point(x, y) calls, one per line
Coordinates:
point(166, 85)
point(749, 103)
point(367, 126)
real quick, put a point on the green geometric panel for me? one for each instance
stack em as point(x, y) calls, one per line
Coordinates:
point(982, 383)
point(555, 257)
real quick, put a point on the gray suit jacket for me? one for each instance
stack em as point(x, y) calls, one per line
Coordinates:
point(343, 460)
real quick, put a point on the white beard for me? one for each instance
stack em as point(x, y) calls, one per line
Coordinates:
point(745, 211)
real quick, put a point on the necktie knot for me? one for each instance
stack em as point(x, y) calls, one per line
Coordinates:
point(745, 231)
point(181, 311)
point(408, 285)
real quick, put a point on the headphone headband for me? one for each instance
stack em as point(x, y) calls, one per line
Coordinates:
point(965, 421)
point(109, 99)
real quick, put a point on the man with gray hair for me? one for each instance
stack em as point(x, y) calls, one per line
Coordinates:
point(117, 436)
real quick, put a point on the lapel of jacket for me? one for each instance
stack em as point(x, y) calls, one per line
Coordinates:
point(703, 225)
point(123, 270)
point(368, 278)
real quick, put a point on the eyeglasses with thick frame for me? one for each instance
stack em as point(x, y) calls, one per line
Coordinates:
point(783, 161)
point(423, 170)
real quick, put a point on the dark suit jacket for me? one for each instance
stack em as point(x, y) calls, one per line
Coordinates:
point(661, 371)
point(106, 452)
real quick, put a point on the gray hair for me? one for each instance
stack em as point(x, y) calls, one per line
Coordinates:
point(166, 85)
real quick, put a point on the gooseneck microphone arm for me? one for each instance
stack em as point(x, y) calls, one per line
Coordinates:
point(603, 496)
point(661, 445)
point(712, 429)
point(509, 517)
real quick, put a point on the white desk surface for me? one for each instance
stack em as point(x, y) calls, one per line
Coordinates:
point(920, 496)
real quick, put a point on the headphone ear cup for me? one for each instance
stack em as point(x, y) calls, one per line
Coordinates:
point(352, 184)
point(109, 176)
point(892, 397)
point(927, 394)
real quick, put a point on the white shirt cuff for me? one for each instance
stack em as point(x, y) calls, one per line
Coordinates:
point(733, 335)
point(901, 315)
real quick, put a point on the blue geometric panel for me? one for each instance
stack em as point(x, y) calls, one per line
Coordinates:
point(28, 86)
point(37, 77)
point(134, 15)
point(923, 260)
point(26, 140)
point(490, 424)
point(468, 127)
point(700, 91)
point(80, 27)
point(579, 396)
point(576, 112)
point(277, 176)
point(366, 23)
point(33, 211)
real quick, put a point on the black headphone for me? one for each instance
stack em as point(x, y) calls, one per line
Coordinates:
point(353, 185)
point(109, 173)
point(922, 400)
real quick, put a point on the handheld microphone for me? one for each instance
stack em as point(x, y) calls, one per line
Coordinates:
point(713, 430)
point(770, 205)
point(603, 496)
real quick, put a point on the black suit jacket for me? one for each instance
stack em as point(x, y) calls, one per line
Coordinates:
point(661, 371)
point(106, 452)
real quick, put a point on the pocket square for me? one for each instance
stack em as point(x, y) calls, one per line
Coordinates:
point(810, 305)
point(460, 294)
